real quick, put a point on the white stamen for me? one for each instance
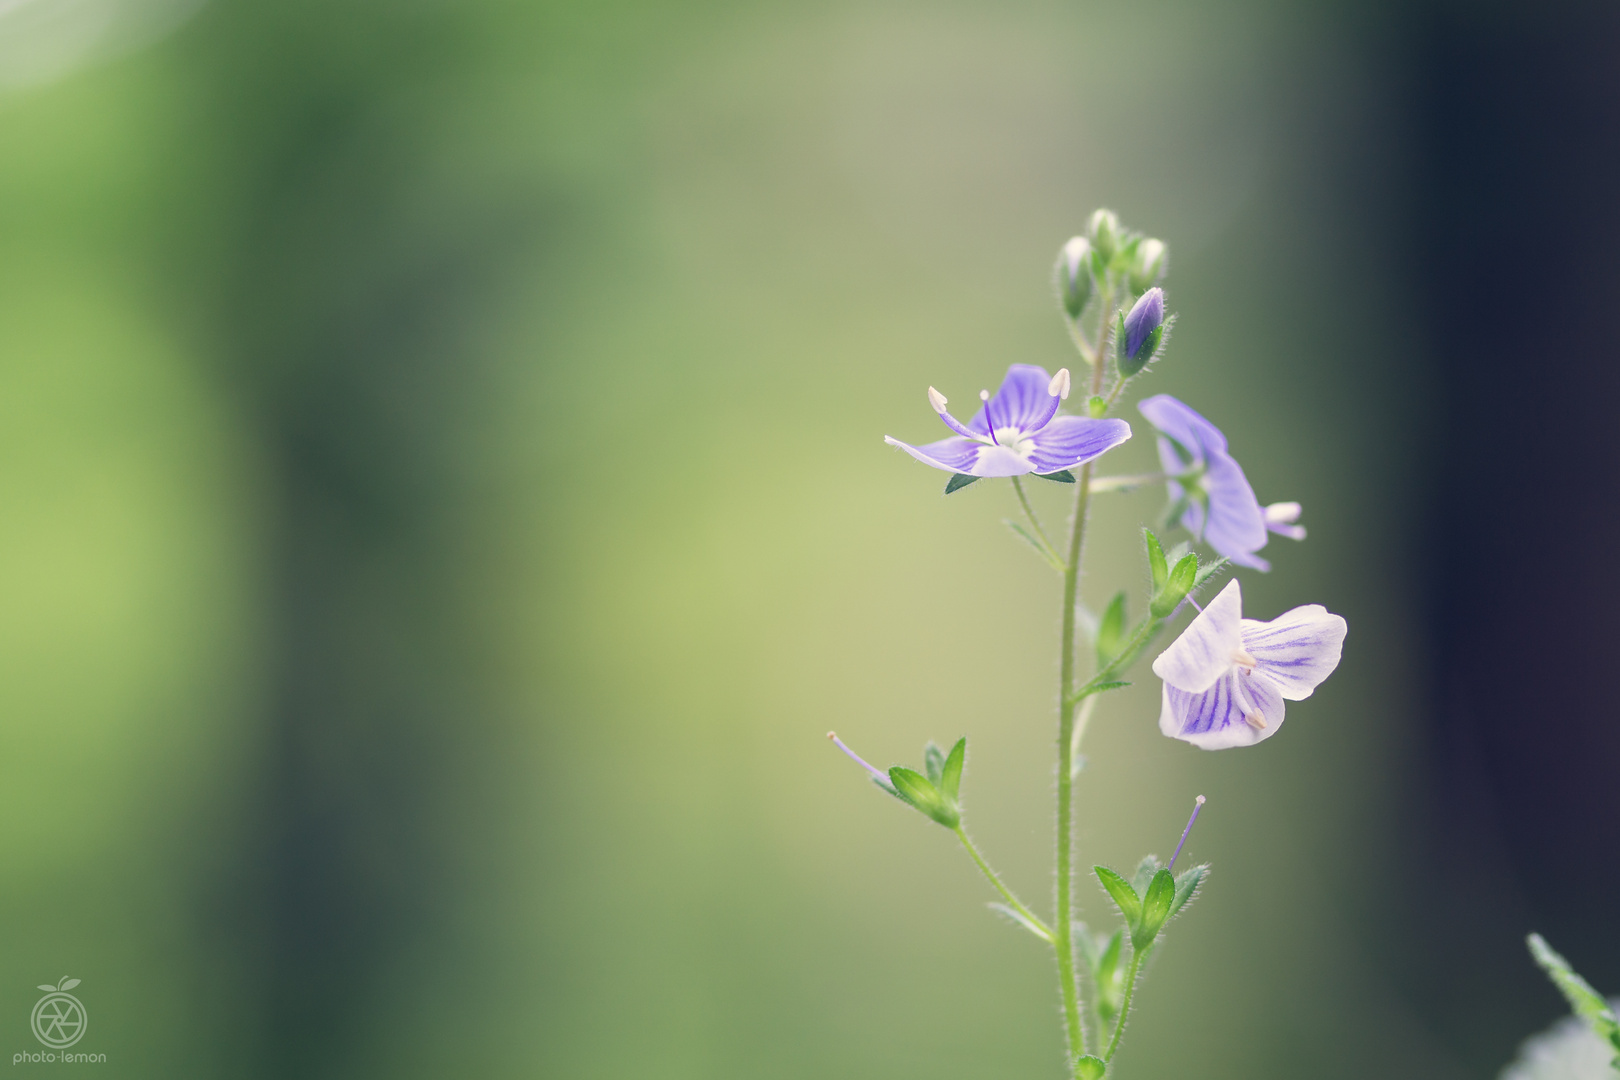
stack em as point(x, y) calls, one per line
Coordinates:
point(1255, 720)
point(984, 395)
point(1243, 660)
point(937, 400)
point(1059, 386)
point(1282, 513)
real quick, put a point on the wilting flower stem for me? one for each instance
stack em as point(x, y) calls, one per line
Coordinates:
point(1006, 893)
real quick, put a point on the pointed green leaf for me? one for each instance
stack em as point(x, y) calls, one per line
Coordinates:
point(1062, 476)
point(958, 481)
point(50, 989)
point(1108, 974)
point(1187, 885)
point(1125, 898)
point(915, 789)
point(1587, 1003)
point(1175, 554)
point(1156, 903)
point(933, 762)
point(1090, 1067)
point(1016, 916)
point(1111, 631)
point(68, 984)
point(1157, 566)
point(1207, 572)
point(950, 782)
point(1176, 588)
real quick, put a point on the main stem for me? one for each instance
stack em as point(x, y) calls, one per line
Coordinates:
point(1062, 923)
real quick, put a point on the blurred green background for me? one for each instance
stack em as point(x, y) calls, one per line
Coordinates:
point(443, 507)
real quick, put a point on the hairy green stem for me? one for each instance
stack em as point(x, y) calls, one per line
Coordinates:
point(1125, 1006)
point(1035, 523)
point(1063, 917)
point(1006, 893)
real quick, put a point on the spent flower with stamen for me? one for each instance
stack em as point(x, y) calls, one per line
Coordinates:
point(1018, 431)
point(1216, 503)
point(1226, 677)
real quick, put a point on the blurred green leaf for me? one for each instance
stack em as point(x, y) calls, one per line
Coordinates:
point(1176, 588)
point(1062, 476)
point(1187, 885)
point(1017, 916)
point(1587, 1003)
point(1158, 568)
point(933, 762)
point(915, 789)
point(1144, 874)
point(1111, 631)
point(950, 783)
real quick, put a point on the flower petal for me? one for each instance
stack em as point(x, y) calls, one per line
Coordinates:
point(1217, 718)
point(1184, 425)
point(1297, 649)
point(952, 455)
point(1236, 525)
point(1022, 402)
point(1074, 440)
point(1203, 652)
point(958, 455)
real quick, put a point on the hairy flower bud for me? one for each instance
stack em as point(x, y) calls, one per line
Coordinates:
point(1151, 259)
point(1104, 230)
point(1074, 275)
point(1140, 332)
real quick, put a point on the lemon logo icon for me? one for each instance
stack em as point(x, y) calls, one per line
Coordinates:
point(59, 1018)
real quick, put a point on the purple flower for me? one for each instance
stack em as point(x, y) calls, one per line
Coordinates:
point(1018, 431)
point(1226, 677)
point(1220, 504)
point(1146, 316)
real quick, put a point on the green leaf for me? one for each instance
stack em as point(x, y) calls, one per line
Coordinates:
point(1587, 1003)
point(1176, 588)
point(1157, 567)
point(958, 481)
point(1016, 916)
point(1156, 904)
point(1111, 631)
point(1125, 898)
point(915, 789)
point(933, 762)
point(1062, 476)
point(1207, 572)
point(1090, 1067)
point(1187, 885)
point(950, 782)
point(1109, 975)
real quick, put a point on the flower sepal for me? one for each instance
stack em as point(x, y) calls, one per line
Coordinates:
point(1153, 898)
point(934, 795)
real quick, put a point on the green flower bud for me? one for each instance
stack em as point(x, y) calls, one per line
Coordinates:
point(1104, 232)
point(1073, 274)
point(1152, 259)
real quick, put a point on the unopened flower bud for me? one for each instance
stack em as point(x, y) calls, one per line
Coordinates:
point(1104, 230)
point(1151, 260)
point(1074, 275)
point(1140, 332)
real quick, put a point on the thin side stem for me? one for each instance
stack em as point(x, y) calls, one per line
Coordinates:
point(1029, 512)
point(1006, 893)
point(1125, 1006)
point(1126, 483)
point(1062, 936)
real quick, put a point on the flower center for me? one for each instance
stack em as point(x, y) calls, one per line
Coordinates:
point(1011, 438)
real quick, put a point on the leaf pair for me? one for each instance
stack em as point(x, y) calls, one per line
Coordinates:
point(64, 985)
point(1153, 900)
point(937, 793)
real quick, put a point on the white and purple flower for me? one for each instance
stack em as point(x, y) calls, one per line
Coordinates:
point(1220, 505)
point(1018, 431)
point(1226, 677)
